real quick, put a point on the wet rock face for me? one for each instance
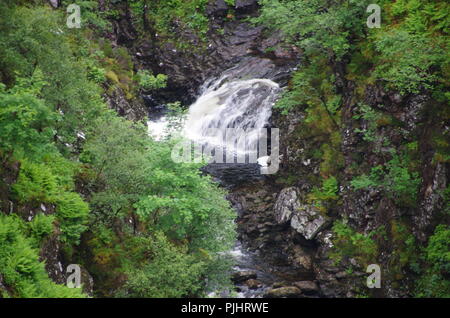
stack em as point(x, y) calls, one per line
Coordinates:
point(228, 43)
point(134, 110)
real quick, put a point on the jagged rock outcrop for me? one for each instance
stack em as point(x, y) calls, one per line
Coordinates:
point(304, 218)
point(287, 204)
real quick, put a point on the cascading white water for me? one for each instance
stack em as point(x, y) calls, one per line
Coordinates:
point(244, 105)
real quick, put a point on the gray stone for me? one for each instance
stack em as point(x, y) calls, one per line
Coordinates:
point(308, 221)
point(54, 3)
point(217, 8)
point(245, 4)
point(304, 218)
point(287, 203)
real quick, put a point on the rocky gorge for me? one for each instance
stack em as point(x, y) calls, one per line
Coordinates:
point(277, 223)
point(363, 167)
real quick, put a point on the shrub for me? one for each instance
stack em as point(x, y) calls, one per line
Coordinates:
point(408, 62)
point(72, 214)
point(148, 81)
point(395, 180)
point(170, 272)
point(349, 243)
point(41, 225)
point(36, 183)
point(437, 255)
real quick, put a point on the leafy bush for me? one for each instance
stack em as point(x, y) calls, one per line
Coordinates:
point(170, 272)
point(395, 180)
point(164, 15)
point(25, 120)
point(148, 81)
point(318, 27)
point(409, 62)
point(41, 225)
point(96, 74)
point(72, 213)
point(36, 183)
point(349, 243)
point(437, 254)
point(328, 193)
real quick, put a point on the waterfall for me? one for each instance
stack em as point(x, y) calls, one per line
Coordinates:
point(244, 105)
point(229, 115)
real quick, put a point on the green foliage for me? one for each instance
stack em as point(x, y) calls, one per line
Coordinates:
point(20, 267)
point(437, 255)
point(351, 244)
point(74, 99)
point(164, 16)
point(96, 74)
point(327, 194)
point(371, 117)
point(312, 85)
point(395, 179)
point(423, 16)
point(115, 156)
point(408, 62)
point(148, 81)
point(36, 183)
point(130, 172)
point(186, 204)
point(41, 225)
point(121, 171)
point(404, 251)
point(72, 213)
point(317, 27)
point(171, 272)
point(90, 14)
point(25, 121)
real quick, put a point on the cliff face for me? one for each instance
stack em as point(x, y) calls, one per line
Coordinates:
point(229, 40)
point(371, 209)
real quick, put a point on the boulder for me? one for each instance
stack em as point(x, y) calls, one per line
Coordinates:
point(287, 203)
point(253, 284)
point(246, 5)
point(243, 276)
point(308, 221)
point(284, 292)
point(218, 8)
point(304, 218)
point(307, 287)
